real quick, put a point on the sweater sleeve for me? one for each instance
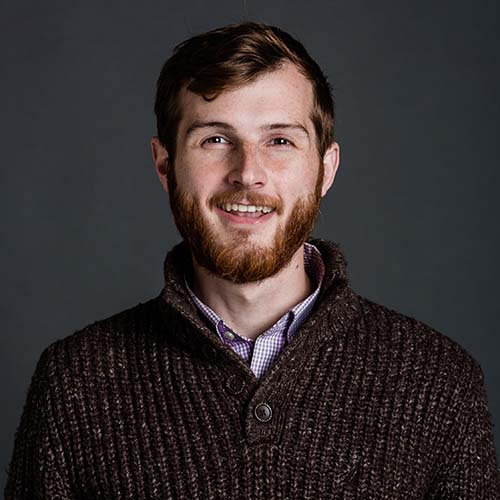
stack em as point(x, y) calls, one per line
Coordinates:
point(470, 470)
point(37, 468)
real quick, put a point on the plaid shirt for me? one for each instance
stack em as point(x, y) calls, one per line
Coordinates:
point(262, 352)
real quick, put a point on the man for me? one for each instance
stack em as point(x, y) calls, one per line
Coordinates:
point(257, 372)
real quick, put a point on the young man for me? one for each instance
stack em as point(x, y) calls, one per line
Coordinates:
point(257, 372)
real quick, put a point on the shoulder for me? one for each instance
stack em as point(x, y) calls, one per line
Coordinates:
point(97, 338)
point(417, 344)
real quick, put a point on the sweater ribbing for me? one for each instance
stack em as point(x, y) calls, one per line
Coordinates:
point(149, 403)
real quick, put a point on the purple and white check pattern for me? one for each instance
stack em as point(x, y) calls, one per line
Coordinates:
point(262, 352)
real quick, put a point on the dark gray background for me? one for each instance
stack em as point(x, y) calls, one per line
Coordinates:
point(86, 224)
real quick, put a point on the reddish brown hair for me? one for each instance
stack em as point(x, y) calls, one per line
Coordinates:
point(231, 56)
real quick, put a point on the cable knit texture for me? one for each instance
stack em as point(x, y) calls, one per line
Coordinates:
point(364, 403)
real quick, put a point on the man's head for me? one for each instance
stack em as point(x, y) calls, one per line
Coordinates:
point(246, 117)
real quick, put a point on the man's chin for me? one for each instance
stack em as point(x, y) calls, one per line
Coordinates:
point(243, 262)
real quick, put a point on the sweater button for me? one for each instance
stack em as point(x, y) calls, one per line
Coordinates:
point(263, 412)
point(235, 384)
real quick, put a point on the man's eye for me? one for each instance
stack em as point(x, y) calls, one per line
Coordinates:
point(281, 141)
point(216, 140)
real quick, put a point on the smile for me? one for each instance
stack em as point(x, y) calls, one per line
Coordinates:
point(245, 209)
point(245, 214)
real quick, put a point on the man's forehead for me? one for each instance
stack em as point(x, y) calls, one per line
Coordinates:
point(274, 98)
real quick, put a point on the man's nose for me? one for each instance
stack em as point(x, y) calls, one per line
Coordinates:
point(247, 169)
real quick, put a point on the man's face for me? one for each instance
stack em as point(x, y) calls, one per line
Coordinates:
point(247, 180)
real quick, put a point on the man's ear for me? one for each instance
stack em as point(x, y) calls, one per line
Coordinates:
point(331, 161)
point(160, 159)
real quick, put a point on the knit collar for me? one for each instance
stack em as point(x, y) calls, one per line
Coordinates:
point(336, 299)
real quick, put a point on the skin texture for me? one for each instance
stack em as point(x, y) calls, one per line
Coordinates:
point(255, 144)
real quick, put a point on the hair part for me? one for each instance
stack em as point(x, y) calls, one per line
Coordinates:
point(232, 56)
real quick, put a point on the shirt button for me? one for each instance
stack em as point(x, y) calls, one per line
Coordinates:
point(228, 334)
point(263, 412)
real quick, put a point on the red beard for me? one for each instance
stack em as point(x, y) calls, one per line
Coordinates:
point(236, 261)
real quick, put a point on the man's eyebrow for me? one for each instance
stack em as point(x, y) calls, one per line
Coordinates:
point(294, 126)
point(196, 125)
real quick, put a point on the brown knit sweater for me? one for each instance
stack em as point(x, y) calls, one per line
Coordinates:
point(364, 403)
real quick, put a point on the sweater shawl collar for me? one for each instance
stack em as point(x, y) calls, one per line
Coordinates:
point(335, 308)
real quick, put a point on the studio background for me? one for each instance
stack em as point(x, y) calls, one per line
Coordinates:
point(86, 224)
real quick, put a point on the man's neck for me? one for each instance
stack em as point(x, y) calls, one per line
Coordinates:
point(251, 308)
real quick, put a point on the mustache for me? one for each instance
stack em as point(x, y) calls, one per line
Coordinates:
point(246, 197)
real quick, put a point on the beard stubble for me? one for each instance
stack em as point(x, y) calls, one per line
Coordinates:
point(235, 259)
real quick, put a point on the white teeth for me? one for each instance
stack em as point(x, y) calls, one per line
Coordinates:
point(235, 207)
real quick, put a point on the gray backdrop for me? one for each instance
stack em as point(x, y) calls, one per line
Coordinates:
point(86, 224)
